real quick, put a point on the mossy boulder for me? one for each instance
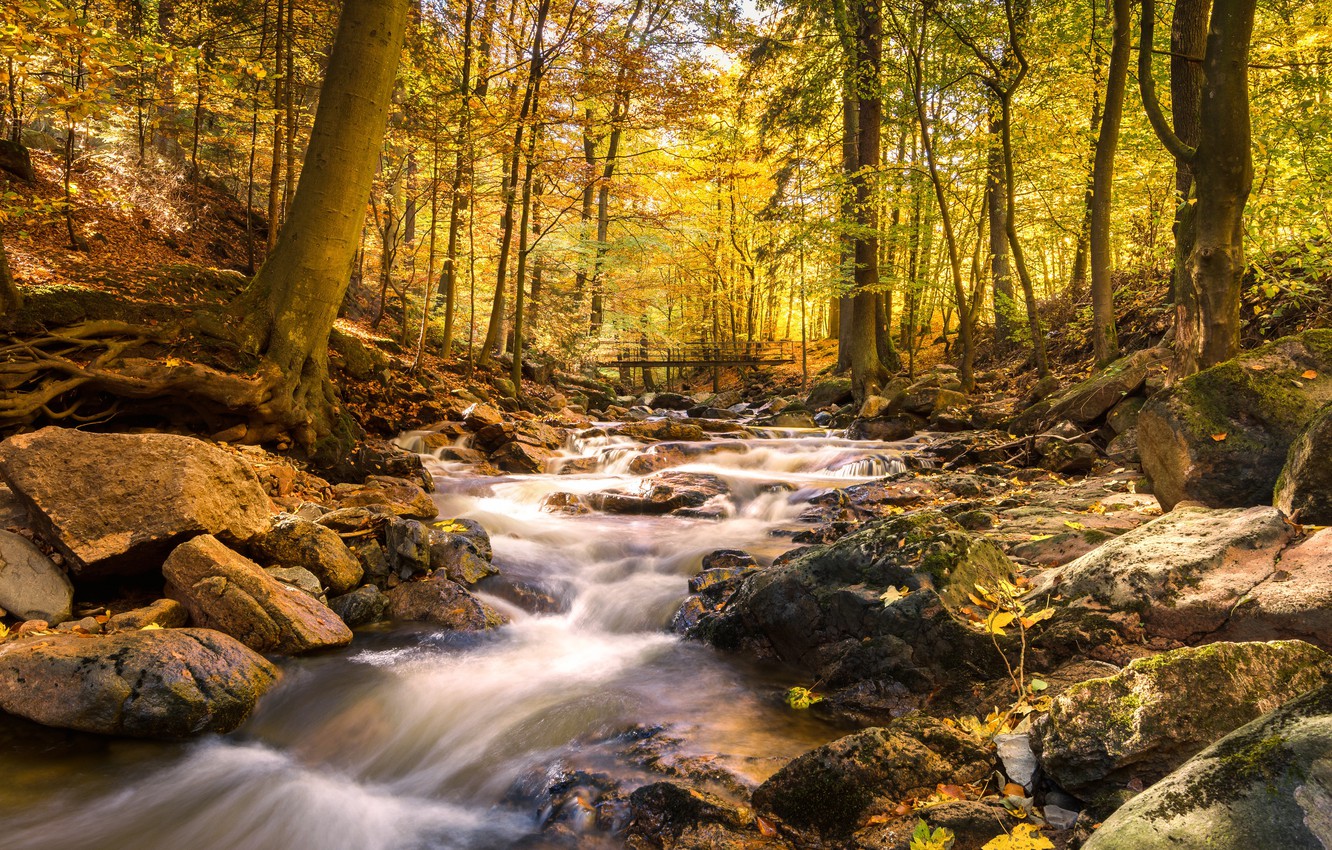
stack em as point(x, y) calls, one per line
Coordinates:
point(1185, 572)
point(671, 816)
point(1304, 490)
point(1221, 437)
point(1088, 401)
point(823, 608)
point(1152, 716)
point(1267, 784)
point(830, 393)
point(834, 788)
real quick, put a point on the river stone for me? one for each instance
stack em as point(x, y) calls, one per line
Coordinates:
point(300, 579)
point(1184, 572)
point(117, 504)
point(407, 544)
point(831, 393)
point(399, 496)
point(1266, 785)
point(31, 586)
point(973, 823)
point(226, 591)
point(295, 542)
point(670, 815)
point(441, 602)
point(1152, 716)
point(1259, 401)
point(522, 458)
point(1304, 490)
point(362, 606)
point(164, 613)
point(454, 550)
point(822, 609)
point(661, 430)
point(159, 683)
point(831, 789)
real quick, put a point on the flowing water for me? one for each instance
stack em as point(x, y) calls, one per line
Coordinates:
point(413, 738)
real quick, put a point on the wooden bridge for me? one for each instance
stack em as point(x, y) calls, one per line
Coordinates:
point(617, 354)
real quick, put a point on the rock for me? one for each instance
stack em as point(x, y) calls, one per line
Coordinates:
point(1085, 403)
point(833, 788)
point(117, 504)
point(1123, 417)
point(159, 683)
point(924, 398)
point(659, 430)
point(441, 602)
point(455, 553)
point(1267, 784)
point(973, 823)
point(1184, 572)
point(885, 429)
point(353, 520)
point(1221, 437)
point(480, 415)
point(16, 161)
point(1304, 489)
point(661, 815)
point(522, 458)
point(791, 418)
point(166, 613)
point(663, 493)
point(1292, 602)
point(299, 578)
point(1151, 717)
point(721, 559)
point(362, 606)
point(1018, 758)
point(31, 586)
point(407, 544)
point(1069, 458)
point(1123, 449)
point(226, 591)
point(822, 608)
point(833, 393)
point(295, 542)
point(372, 458)
point(672, 401)
point(401, 497)
point(874, 407)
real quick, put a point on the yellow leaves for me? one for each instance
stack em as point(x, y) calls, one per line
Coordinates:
point(1025, 836)
point(802, 698)
point(998, 621)
point(450, 526)
point(894, 594)
point(1220, 438)
point(173, 361)
point(1029, 620)
point(1309, 375)
point(923, 838)
point(150, 627)
point(1076, 526)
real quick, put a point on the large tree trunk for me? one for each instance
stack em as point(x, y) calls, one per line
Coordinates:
point(843, 308)
point(1105, 337)
point(11, 300)
point(287, 312)
point(1188, 41)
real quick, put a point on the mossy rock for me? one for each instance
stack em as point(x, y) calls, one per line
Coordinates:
point(1304, 490)
point(1221, 437)
point(1149, 718)
point(1267, 784)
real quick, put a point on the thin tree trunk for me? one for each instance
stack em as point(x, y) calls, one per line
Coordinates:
point(1105, 338)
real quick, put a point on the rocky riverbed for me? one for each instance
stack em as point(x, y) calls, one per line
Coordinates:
point(688, 622)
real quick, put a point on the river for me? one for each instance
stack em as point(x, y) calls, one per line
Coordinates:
point(414, 738)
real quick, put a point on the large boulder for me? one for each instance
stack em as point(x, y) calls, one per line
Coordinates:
point(824, 608)
point(1155, 714)
point(296, 542)
point(1267, 784)
point(1185, 572)
point(1221, 437)
point(1087, 402)
point(31, 586)
point(830, 393)
point(158, 683)
point(833, 788)
point(398, 496)
point(1304, 490)
point(116, 504)
point(441, 602)
point(1292, 602)
point(226, 591)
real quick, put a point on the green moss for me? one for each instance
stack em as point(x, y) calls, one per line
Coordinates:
point(1238, 763)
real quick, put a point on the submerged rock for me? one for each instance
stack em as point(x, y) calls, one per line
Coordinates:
point(1146, 720)
point(1267, 784)
point(1221, 437)
point(228, 592)
point(117, 504)
point(159, 683)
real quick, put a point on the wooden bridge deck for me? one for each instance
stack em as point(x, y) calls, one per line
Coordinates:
point(636, 355)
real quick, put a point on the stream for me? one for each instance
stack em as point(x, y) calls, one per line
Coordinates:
point(415, 738)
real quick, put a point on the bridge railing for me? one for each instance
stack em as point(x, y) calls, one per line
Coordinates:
point(613, 352)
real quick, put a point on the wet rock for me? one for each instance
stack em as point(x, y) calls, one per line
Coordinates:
point(834, 788)
point(1185, 572)
point(1304, 490)
point(672, 401)
point(454, 550)
point(663, 493)
point(1221, 437)
point(660, 430)
point(833, 393)
point(565, 503)
point(407, 545)
point(159, 683)
point(1150, 718)
point(116, 504)
point(790, 418)
point(165, 613)
point(1088, 401)
point(479, 415)
point(668, 816)
point(1267, 784)
point(299, 578)
point(362, 606)
point(522, 458)
point(886, 429)
point(823, 608)
point(31, 586)
point(398, 495)
point(226, 591)
point(295, 542)
point(728, 559)
point(441, 602)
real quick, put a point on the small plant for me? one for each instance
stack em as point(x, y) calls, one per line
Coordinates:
point(1003, 608)
point(923, 838)
point(802, 698)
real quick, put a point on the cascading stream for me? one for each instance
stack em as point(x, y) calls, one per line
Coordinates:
point(413, 738)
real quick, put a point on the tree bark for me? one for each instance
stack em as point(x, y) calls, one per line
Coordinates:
point(287, 312)
point(1105, 337)
point(11, 299)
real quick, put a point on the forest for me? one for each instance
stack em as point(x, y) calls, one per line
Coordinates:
point(666, 424)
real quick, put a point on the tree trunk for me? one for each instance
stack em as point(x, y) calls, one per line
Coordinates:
point(11, 300)
point(843, 307)
point(1105, 338)
point(996, 193)
point(288, 310)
